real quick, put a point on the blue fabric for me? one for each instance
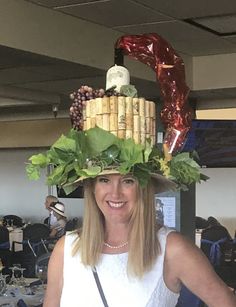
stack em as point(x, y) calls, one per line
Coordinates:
point(188, 299)
point(215, 251)
point(5, 245)
point(21, 303)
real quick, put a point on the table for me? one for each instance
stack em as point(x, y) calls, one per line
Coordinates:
point(32, 296)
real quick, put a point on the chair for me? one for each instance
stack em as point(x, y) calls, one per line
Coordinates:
point(35, 236)
point(5, 253)
point(227, 269)
point(34, 244)
point(21, 303)
point(16, 220)
point(215, 252)
point(41, 267)
point(42, 260)
point(72, 224)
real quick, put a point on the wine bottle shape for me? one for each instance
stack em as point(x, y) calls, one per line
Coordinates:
point(118, 74)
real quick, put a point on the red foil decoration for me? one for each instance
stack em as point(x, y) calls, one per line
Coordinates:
point(153, 50)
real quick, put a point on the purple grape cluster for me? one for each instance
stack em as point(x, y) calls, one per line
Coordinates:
point(79, 98)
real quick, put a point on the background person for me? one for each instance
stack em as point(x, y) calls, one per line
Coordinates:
point(58, 229)
point(51, 219)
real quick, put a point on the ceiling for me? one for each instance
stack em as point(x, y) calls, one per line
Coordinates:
point(194, 28)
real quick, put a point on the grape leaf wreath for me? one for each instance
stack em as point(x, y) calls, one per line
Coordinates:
point(86, 154)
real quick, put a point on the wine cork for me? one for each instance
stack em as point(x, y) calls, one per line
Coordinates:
point(84, 112)
point(88, 123)
point(121, 133)
point(99, 105)
point(136, 123)
point(114, 104)
point(136, 137)
point(105, 105)
point(106, 122)
point(153, 129)
point(135, 106)
point(113, 122)
point(129, 105)
point(93, 122)
point(121, 113)
point(93, 110)
point(141, 106)
point(129, 121)
point(152, 109)
point(99, 120)
point(147, 108)
point(128, 134)
point(148, 125)
point(142, 124)
point(87, 109)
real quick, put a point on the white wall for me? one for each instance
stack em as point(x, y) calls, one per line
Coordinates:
point(217, 196)
point(22, 197)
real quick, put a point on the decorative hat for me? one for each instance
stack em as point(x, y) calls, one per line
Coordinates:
point(102, 140)
point(58, 208)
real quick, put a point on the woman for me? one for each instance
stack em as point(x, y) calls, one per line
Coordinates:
point(138, 262)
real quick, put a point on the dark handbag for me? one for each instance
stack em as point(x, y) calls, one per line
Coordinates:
point(99, 286)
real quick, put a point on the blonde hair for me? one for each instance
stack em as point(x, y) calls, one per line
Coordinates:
point(144, 246)
point(50, 199)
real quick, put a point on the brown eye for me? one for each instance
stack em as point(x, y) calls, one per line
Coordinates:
point(129, 181)
point(102, 179)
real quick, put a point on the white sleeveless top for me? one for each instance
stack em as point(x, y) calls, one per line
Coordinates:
point(80, 289)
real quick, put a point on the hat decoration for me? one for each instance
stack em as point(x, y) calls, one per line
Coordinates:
point(90, 149)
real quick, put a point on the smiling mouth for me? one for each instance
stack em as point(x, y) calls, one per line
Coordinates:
point(116, 204)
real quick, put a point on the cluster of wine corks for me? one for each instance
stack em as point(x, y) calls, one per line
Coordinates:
point(125, 117)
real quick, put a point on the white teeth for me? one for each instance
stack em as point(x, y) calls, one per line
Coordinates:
point(115, 205)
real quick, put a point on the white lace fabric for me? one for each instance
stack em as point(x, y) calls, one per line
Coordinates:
point(80, 289)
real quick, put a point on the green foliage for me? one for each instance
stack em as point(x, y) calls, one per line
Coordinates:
point(87, 153)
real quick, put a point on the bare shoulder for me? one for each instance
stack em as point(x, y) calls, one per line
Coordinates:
point(177, 245)
point(186, 264)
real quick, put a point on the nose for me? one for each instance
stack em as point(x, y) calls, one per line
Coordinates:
point(116, 189)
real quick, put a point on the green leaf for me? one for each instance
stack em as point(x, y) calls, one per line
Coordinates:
point(131, 152)
point(147, 150)
point(33, 172)
point(142, 173)
point(125, 167)
point(57, 176)
point(69, 188)
point(39, 159)
point(99, 140)
point(92, 171)
point(128, 90)
point(65, 144)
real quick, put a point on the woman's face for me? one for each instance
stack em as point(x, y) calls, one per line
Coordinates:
point(116, 196)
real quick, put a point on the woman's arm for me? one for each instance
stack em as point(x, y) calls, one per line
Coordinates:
point(185, 263)
point(55, 276)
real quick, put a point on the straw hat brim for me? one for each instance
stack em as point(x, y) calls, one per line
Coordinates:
point(162, 184)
